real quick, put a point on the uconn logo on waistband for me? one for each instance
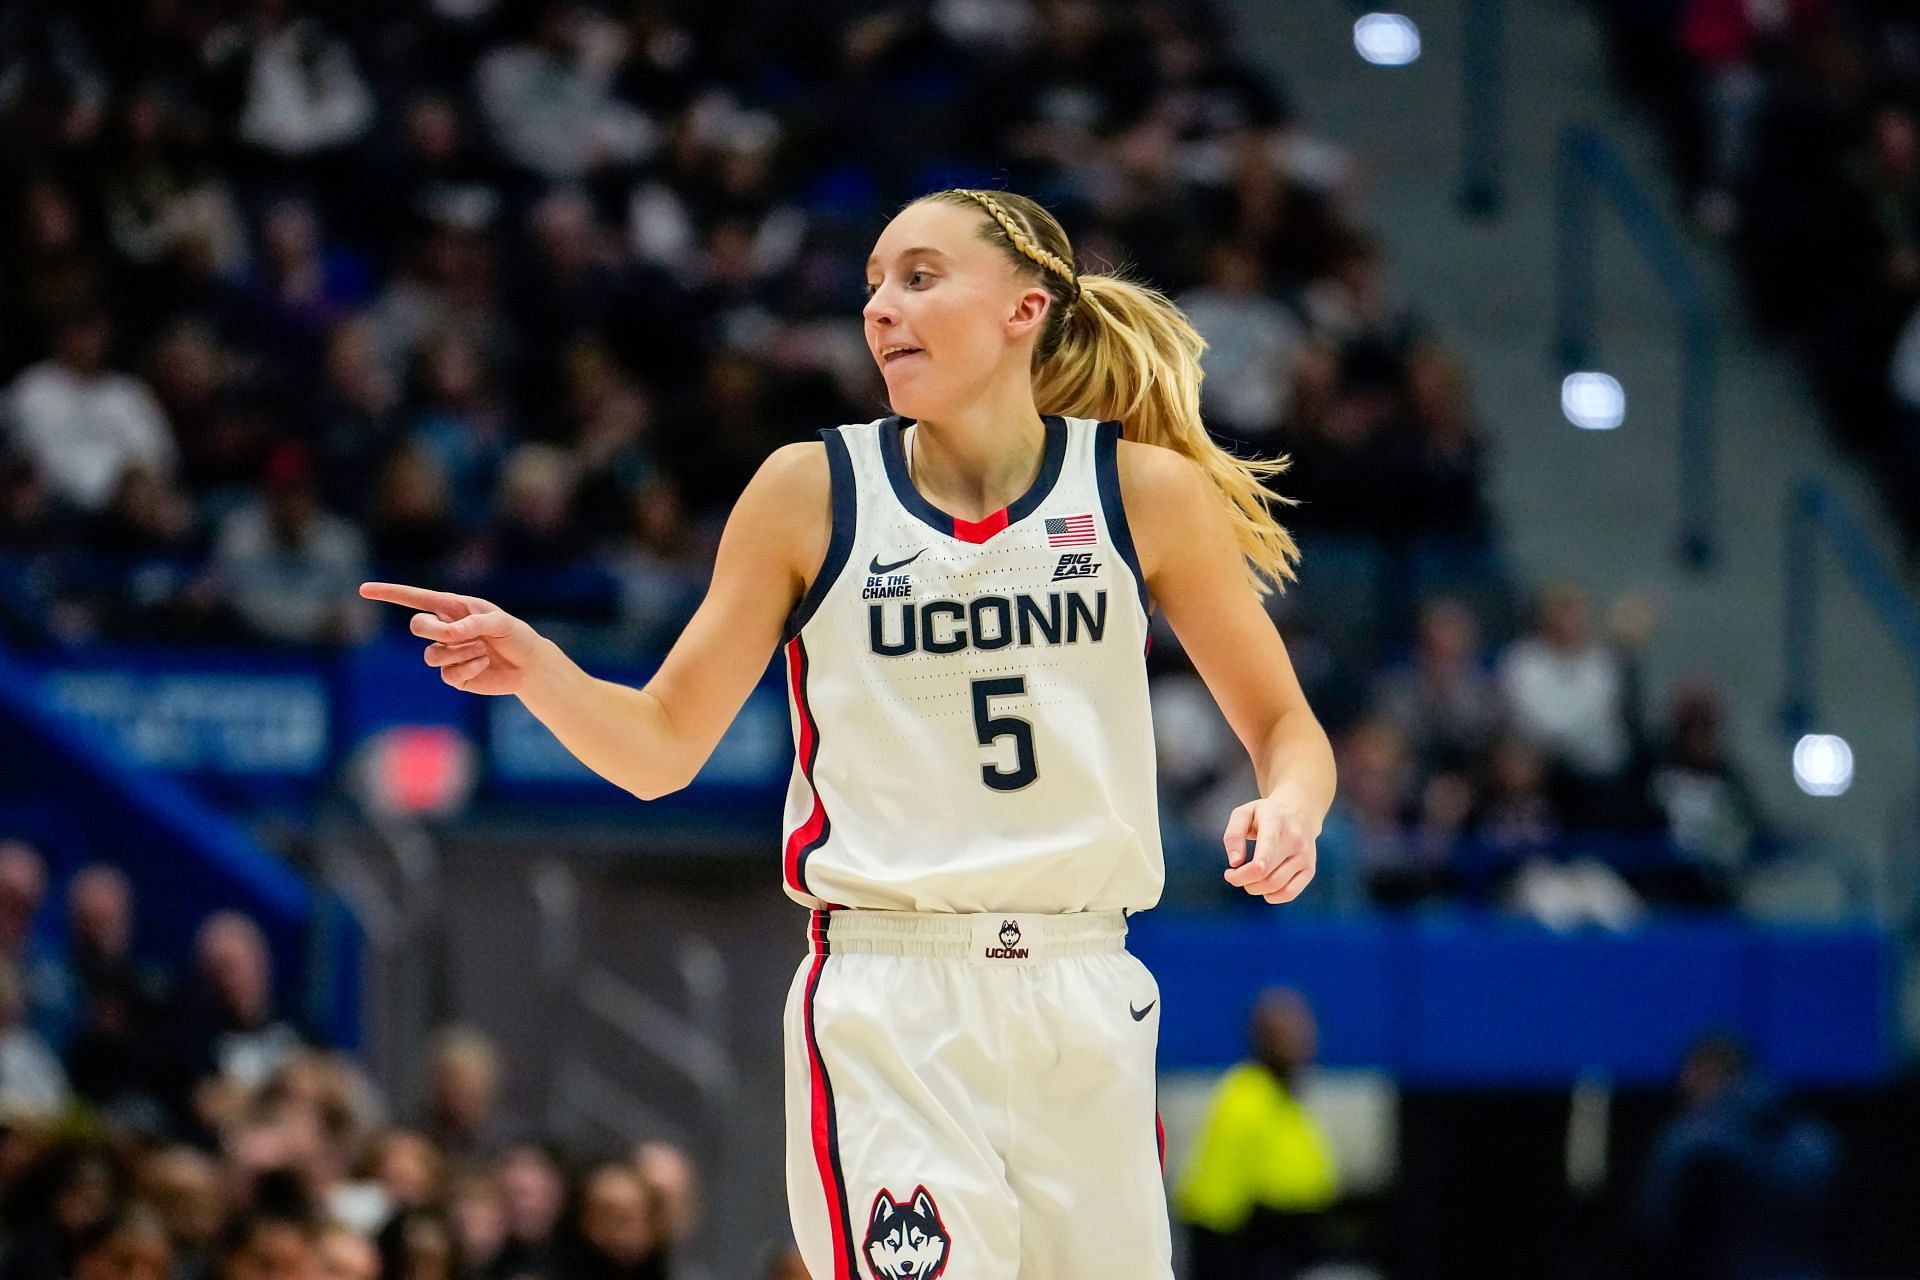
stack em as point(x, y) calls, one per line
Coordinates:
point(1009, 948)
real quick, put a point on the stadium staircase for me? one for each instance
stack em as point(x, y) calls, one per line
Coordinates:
point(1601, 508)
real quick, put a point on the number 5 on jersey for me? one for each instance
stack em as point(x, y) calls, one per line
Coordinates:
point(991, 728)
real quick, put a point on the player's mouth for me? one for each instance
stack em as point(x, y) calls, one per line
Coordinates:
point(898, 352)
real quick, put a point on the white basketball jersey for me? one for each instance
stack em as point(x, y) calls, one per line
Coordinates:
point(969, 698)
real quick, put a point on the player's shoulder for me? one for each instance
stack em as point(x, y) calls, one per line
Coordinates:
point(1153, 474)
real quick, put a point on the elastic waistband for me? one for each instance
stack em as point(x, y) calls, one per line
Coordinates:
point(988, 937)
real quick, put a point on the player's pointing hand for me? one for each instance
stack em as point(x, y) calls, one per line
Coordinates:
point(479, 647)
point(1270, 849)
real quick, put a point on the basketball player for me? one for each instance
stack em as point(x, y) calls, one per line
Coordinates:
point(961, 593)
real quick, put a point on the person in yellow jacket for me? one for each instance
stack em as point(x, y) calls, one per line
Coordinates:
point(1261, 1175)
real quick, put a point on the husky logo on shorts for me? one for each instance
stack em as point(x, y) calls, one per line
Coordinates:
point(1009, 948)
point(906, 1241)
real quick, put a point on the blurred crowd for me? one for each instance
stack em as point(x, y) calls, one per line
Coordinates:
point(1530, 774)
point(1795, 125)
point(179, 1126)
point(514, 295)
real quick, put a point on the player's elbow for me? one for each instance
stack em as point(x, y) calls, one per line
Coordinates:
point(658, 785)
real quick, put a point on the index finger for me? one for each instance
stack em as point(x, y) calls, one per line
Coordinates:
point(445, 604)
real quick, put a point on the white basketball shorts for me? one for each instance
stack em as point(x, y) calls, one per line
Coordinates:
point(972, 1097)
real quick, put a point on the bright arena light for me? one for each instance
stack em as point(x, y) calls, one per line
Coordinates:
point(1593, 401)
point(1823, 764)
point(1386, 39)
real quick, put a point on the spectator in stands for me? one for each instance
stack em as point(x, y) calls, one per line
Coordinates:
point(419, 1244)
point(182, 1183)
point(269, 1246)
point(1252, 342)
point(548, 100)
point(1514, 819)
point(673, 1184)
point(288, 565)
point(62, 1196)
point(462, 1115)
point(661, 573)
point(225, 1036)
point(411, 526)
point(1739, 1186)
point(79, 422)
point(109, 1055)
point(617, 1232)
point(33, 1085)
point(131, 1244)
point(1443, 702)
point(1575, 696)
point(1365, 847)
point(1261, 1175)
point(345, 1254)
point(47, 985)
point(302, 96)
point(1448, 467)
point(534, 1187)
point(1711, 811)
point(478, 1213)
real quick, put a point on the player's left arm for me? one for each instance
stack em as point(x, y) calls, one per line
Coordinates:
point(1197, 576)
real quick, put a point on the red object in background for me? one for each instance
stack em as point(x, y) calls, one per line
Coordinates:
point(418, 769)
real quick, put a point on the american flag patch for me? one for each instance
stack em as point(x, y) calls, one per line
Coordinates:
point(1073, 531)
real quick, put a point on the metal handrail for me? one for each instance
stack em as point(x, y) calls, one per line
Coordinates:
point(1813, 514)
point(1483, 93)
point(1588, 165)
point(1815, 509)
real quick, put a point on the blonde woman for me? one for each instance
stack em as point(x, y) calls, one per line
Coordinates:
point(961, 594)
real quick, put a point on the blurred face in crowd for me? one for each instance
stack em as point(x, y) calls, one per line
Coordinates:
point(23, 883)
point(184, 1186)
point(465, 1083)
point(533, 1191)
point(1449, 636)
point(347, 1255)
point(949, 317)
point(409, 1169)
point(85, 1194)
point(616, 1214)
point(233, 960)
point(1372, 768)
point(1563, 618)
point(100, 908)
point(1285, 1036)
point(670, 1177)
point(82, 344)
point(273, 1251)
point(136, 1249)
point(479, 1217)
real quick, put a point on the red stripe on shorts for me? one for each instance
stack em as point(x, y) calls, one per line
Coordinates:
point(826, 1138)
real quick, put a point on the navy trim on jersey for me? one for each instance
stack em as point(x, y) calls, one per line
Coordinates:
point(893, 453)
point(1106, 468)
point(840, 542)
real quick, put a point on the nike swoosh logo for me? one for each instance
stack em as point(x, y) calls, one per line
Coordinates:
point(1140, 1014)
point(877, 567)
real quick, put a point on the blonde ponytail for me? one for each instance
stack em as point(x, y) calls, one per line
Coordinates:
point(1122, 351)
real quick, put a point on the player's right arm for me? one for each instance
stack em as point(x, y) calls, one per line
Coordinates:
point(651, 741)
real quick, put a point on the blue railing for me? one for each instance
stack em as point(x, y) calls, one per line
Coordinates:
point(1588, 165)
point(1815, 514)
point(1483, 93)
